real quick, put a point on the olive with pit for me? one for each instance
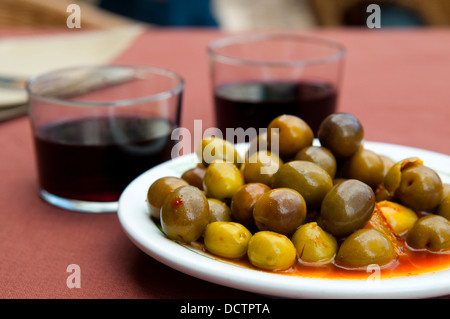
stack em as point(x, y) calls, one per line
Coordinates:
point(348, 206)
point(341, 133)
point(307, 178)
point(290, 133)
point(261, 166)
point(271, 251)
point(158, 191)
point(281, 210)
point(219, 211)
point(320, 156)
point(431, 232)
point(227, 239)
point(420, 188)
point(365, 247)
point(185, 214)
point(366, 166)
point(313, 244)
point(222, 180)
point(243, 202)
point(414, 185)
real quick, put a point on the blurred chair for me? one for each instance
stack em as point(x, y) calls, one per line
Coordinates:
point(32, 13)
point(393, 12)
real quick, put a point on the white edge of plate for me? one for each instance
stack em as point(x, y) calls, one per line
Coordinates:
point(133, 216)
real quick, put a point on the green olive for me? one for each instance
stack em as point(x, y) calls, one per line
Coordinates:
point(341, 133)
point(309, 179)
point(365, 247)
point(393, 176)
point(260, 167)
point(158, 190)
point(194, 176)
point(227, 239)
point(444, 207)
point(387, 163)
point(320, 156)
point(243, 202)
point(420, 188)
point(431, 232)
point(348, 206)
point(313, 244)
point(219, 211)
point(281, 210)
point(185, 214)
point(259, 143)
point(271, 251)
point(366, 166)
point(214, 148)
point(222, 180)
point(290, 133)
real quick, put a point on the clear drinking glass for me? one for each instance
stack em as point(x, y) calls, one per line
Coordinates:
point(257, 77)
point(96, 128)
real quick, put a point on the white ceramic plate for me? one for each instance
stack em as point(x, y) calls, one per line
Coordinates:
point(134, 218)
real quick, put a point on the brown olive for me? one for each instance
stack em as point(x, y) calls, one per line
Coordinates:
point(365, 247)
point(159, 190)
point(185, 214)
point(320, 156)
point(341, 133)
point(431, 232)
point(281, 210)
point(293, 135)
point(366, 166)
point(445, 190)
point(194, 176)
point(243, 202)
point(309, 179)
point(348, 206)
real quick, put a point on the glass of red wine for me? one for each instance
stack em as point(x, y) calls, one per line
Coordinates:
point(257, 77)
point(96, 128)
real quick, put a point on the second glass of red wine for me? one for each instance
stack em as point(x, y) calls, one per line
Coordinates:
point(257, 77)
point(97, 128)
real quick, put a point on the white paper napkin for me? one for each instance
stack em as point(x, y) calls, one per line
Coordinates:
point(25, 57)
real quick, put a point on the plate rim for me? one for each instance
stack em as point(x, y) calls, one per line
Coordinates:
point(175, 255)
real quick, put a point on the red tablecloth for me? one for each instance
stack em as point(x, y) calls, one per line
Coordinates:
point(396, 83)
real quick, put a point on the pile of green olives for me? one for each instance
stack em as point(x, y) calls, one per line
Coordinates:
point(336, 202)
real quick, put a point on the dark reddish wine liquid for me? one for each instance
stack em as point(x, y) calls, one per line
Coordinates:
point(255, 104)
point(95, 159)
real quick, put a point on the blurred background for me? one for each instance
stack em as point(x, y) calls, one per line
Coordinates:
point(230, 15)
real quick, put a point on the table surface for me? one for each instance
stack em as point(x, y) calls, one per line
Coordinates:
point(395, 82)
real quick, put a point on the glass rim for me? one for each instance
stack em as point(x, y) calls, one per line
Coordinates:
point(240, 39)
point(107, 103)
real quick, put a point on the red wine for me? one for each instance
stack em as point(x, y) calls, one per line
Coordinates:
point(94, 159)
point(255, 104)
